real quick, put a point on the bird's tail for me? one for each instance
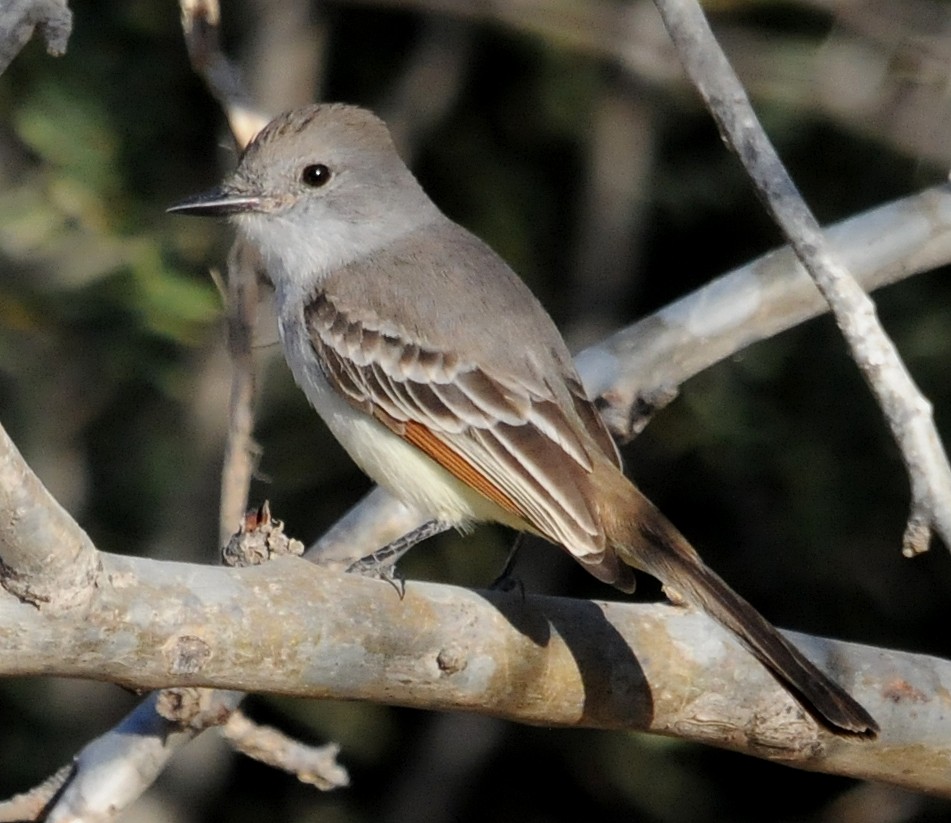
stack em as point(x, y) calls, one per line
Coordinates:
point(643, 538)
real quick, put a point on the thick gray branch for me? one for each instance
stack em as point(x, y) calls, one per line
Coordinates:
point(45, 558)
point(771, 294)
point(535, 660)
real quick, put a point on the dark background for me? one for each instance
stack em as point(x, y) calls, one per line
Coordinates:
point(776, 464)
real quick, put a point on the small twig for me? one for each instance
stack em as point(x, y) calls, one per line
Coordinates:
point(200, 23)
point(20, 18)
point(241, 452)
point(314, 765)
point(32, 805)
point(907, 411)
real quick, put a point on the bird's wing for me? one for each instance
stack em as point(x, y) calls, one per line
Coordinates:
point(511, 439)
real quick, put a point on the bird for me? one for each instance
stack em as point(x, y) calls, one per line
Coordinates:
point(446, 380)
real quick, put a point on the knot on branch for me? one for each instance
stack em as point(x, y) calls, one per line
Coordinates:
point(626, 416)
point(194, 708)
point(71, 589)
point(260, 538)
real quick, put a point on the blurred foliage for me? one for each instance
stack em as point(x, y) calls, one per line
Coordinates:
point(113, 384)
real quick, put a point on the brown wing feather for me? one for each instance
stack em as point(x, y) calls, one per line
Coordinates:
point(593, 422)
point(424, 439)
point(517, 443)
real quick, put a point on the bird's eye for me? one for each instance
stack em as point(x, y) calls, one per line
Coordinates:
point(315, 176)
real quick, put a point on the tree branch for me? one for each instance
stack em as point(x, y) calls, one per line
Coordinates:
point(654, 356)
point(200, 23)
point(241, 452)
point(315, 765)
point(45, 558)
point(19, 19)
point(537, 660)
point(907, 411)
point(112, 771)
point(534, 660)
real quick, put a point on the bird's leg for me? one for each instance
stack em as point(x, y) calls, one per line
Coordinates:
point(506, 581)
point(382, 563)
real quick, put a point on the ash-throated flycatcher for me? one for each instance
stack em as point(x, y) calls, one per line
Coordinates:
point(446, 380)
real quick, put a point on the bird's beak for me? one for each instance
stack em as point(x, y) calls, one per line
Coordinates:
point(217, 202)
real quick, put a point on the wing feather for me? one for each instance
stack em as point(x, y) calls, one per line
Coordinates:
point(593, 422)
point(519, 442)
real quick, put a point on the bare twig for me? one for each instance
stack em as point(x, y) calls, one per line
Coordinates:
point(907, 411)
point(19, 19)
point(241, 451)
point(200, 23)
point(32, 805)
point(315, 765)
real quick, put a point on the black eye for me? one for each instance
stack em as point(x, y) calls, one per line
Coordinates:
point(315, 175)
